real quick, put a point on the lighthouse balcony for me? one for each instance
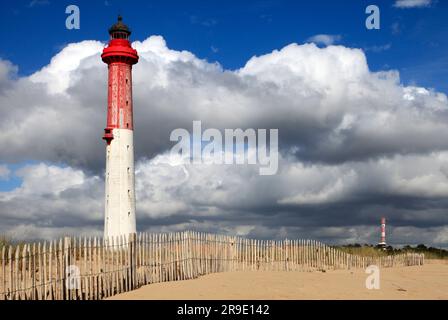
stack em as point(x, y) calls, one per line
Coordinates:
point(108, 135)
point(119, 50)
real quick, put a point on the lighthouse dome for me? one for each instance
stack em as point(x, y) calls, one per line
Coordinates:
point(119, 30)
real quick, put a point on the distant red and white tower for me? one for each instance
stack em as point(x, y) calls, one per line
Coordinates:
point(119, 134)
point(383, 232)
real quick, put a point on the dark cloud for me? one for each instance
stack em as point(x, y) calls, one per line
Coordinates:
point(355, 146)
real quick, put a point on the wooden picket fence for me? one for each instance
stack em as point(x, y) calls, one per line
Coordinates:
point(92, 268)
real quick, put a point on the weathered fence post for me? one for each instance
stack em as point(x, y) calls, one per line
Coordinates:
point(124, 263)
point(4, 272)
point(132, 260)
point(66, 261)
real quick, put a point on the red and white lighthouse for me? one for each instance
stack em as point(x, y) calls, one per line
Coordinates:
point(383, 232)
point(119, 134)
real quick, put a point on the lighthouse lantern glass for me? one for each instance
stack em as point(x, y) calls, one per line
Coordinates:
point(119, 35)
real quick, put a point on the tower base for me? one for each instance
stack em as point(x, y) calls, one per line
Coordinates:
point(120, 189)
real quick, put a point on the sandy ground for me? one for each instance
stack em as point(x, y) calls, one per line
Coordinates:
point(425, 282)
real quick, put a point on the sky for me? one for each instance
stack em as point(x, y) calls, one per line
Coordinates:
point(362, 116)
point(411, 40)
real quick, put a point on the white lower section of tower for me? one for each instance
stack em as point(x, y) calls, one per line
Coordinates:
point(120, 186)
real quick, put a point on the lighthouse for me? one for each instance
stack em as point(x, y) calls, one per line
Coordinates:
point(382, 242)
point(119, 134)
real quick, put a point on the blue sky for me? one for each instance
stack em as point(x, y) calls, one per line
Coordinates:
point(412, 40)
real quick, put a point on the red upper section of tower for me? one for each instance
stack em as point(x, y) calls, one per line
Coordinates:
point(120, 56)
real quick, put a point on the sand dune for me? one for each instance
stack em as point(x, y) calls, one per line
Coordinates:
point(424, 282)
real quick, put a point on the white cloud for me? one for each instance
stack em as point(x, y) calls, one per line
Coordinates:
point(48, 179)
point(412, 3)
point(325, 39)
point(52, 197)
point(312, 89)
point(353, 143)
point(167, 191)
point(58, 74)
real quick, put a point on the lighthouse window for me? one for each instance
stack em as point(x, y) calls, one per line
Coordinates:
point(126, 81)
point(119, 35)
point(127, 102)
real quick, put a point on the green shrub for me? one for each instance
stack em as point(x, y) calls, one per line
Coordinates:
point(376, 251)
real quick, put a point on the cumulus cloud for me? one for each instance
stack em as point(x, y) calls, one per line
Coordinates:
point(327, 103)
point(65, 64)
point(412, 3)
point(7, 72)
point(354, 145)
point(51, 198)
point(325, 39)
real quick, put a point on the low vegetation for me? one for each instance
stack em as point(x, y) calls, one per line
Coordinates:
point(377, 251)
point(4, 241)
point(357, 249)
